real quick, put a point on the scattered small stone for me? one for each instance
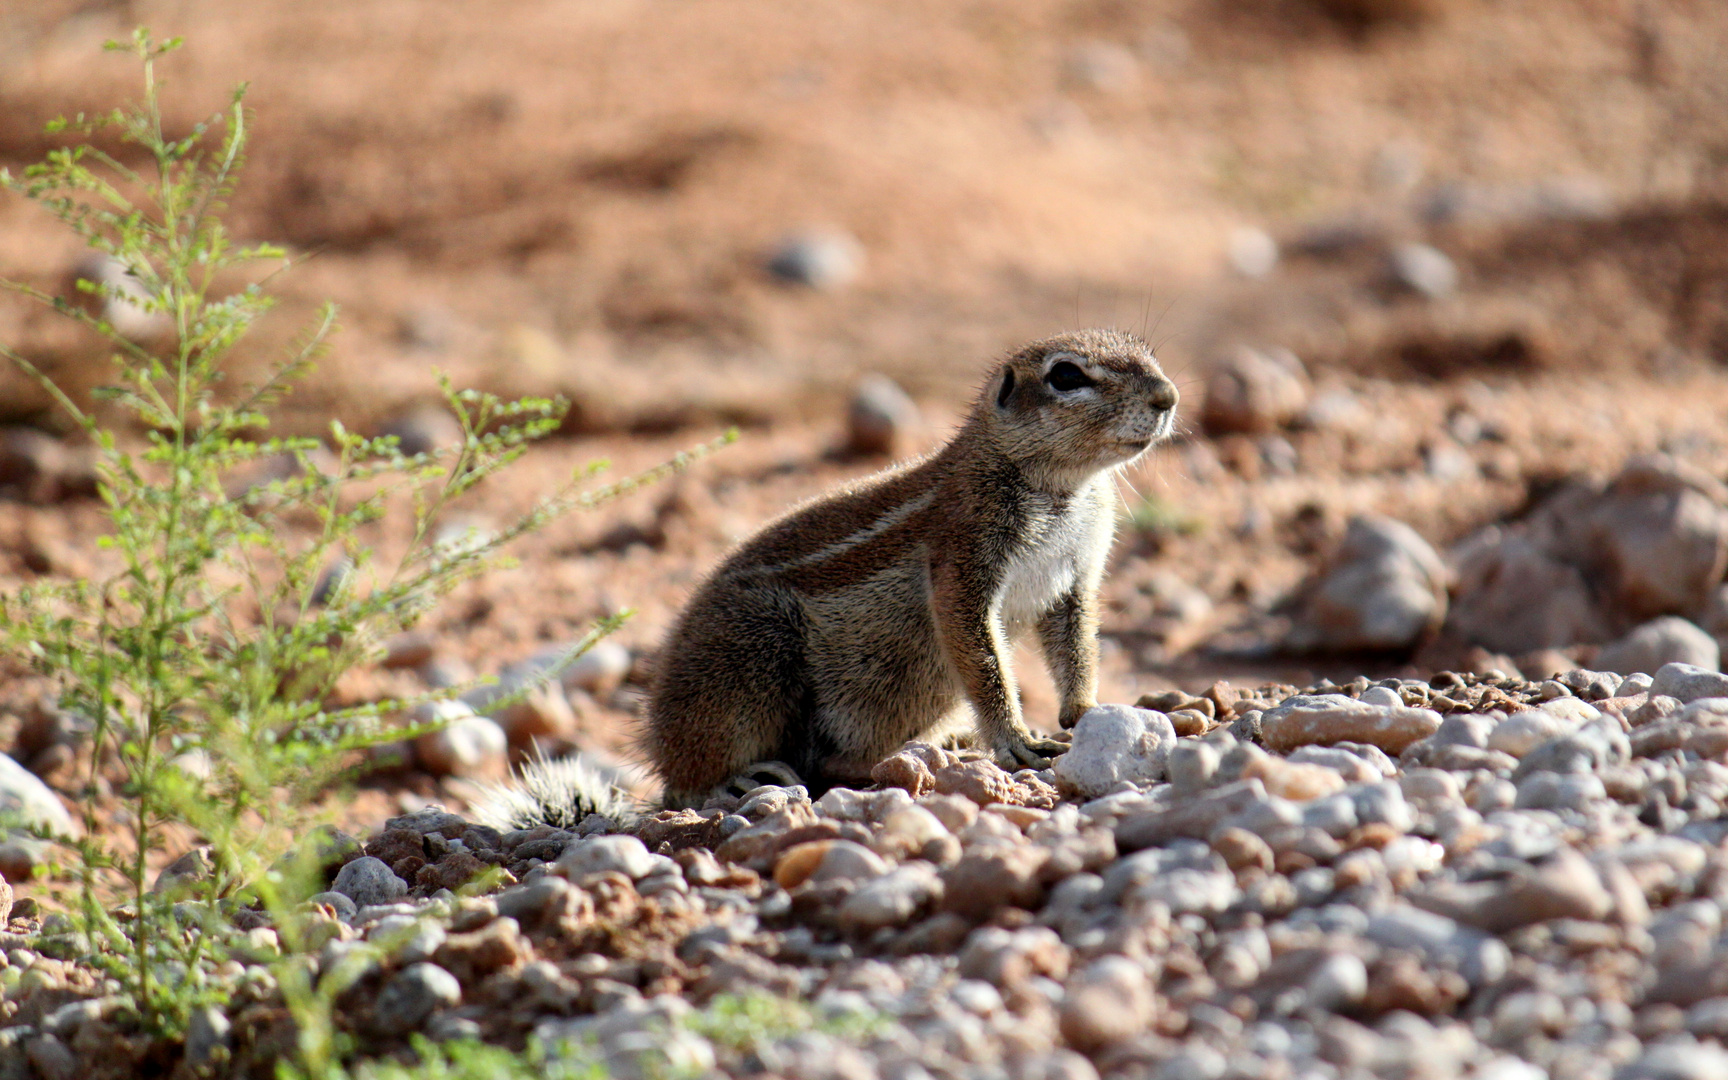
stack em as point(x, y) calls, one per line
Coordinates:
point(1425, 269)
point(881, 420)
point(891, 900)
point(1113, 744)
point(1688, 682)
point(367, 880)
point(1107, 1003)
point(1384, 588)
point(467, 745)
point(823, 861)
point(1328, 719)
point(1252, 252)
point(607, 854)
point(1665, 640)
point(820, 259)
point(425, 429)
point(412, 995)
point(1255, 392)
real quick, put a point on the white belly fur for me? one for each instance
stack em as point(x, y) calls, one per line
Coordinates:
point(1046, 568)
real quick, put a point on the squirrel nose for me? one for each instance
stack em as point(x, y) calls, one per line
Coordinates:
point(1164, 396)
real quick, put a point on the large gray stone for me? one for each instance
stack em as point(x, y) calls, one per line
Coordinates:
point(367, 880)
point(623, 854)
point(412, 995)
point(1384, 588)
point(22, 794)
point(1665, 640)
point(1688, 682)
point(1113, 743)
point(1514, 597)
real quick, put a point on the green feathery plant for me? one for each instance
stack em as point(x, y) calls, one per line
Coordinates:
point(204, 662)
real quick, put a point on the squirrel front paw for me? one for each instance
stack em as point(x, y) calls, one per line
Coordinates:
point(1023, 751)
point(1071, 715)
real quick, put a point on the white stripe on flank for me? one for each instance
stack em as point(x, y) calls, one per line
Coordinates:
point(862, 536)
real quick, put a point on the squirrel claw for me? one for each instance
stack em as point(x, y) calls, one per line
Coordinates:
point(1029, 753)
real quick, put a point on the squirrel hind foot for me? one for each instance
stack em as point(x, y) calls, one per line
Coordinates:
point(742, 783)
point(760, 774)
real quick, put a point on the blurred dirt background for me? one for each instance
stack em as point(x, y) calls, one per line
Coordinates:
point(1494, 232)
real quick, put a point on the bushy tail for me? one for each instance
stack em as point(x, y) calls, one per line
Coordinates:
point(560, 792)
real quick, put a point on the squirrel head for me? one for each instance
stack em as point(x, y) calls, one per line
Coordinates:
point(1069, 407)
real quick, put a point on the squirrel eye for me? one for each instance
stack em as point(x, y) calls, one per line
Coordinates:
point(1065, 376)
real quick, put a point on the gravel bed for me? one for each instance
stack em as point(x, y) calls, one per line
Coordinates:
point(1468, 876)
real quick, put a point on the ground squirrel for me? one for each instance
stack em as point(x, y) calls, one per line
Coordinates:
point(876, 614)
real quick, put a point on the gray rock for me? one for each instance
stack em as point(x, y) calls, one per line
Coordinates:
point(1464, 729)
point(1590, 685)
point(1194, 1061)
point(428, 819)
point(1666, 640)
point(624, 854)
point(1442, 941)
point(1108, 1002)
point(1382, 804)
point(1659, 536)
point(1564, 886)
point(1383, 589)
point(1354, 768)
point(182, 876)
point(412, 995)
point(1509, 1068)
point(1113, 743)
point(1340, 979)
point(1688, 682)
point(52, 1059)
point(1593, 746)
point(1191, 764)
point(30, 800)
point(1252, 252)
point(1513, 596)
point(1708, 1019)
point(1425, 269)
point(1381, 695)
point(1187, 891)
point(38, 468)
point(367, 880)
point(1676, 1061)
point(1196, 817)
point(1058, 1064)
point(424, 430)
point(892, 899)
point(467, 745)
point(1523, 732)
point(209, 1033)
point(124, 300)
point(1255, 392)
point(68, 1018)
point(820, 259)
point(1559, 791)
point(1334, 815)
point(881, 420)
point(1319, 719)
point(843, 860)
point(1638, 682)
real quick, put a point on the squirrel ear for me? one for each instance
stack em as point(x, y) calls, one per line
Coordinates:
point(1007, 388)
